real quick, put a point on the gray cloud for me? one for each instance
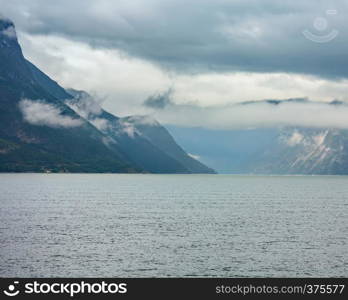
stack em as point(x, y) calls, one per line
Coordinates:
point(200, 35)
point(88, 107)
point(160, 100)
point(259, 114)
point(126, 82)
point(44, 114)
point(84, 104)
point(212, 53)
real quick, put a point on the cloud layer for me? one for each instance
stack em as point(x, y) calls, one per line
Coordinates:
point(193, 61)
point(257, 115)
point(201, 35)
point(127, 82)
point(44, 114)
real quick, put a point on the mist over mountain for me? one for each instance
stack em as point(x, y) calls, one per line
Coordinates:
point(142, 138)
point(278, 150)
point(266, 113)
point(45, 128)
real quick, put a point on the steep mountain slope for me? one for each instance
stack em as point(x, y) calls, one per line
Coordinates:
point(160, 137)
point(53, 137)
point(43, 127)
point(143, 140)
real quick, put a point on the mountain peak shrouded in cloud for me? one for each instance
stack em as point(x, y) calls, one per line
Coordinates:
point(8, 35)
point(7, 29)
point(277, 101)
point(5, 22)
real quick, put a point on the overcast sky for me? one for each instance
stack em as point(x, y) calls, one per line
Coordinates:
point(204, 54)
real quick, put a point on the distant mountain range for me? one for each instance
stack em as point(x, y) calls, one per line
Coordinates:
point(304, 151)
point(46, 128)
point(287, 150)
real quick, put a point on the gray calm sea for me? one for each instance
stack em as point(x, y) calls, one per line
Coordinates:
point(173, 225)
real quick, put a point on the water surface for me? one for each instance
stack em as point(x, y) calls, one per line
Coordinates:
point(104, 225)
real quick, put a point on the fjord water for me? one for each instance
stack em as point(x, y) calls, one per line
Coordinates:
point(173, 225)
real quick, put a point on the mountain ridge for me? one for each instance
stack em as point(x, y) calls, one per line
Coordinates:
point(40, 132)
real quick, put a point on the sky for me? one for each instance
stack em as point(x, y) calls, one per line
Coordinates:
point(191, 62)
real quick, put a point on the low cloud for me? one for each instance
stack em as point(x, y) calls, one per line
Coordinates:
point(84, 104)
point(88, 107)
point(196, 157)
point(295, 139)
point(7, 28)
point(142, 120)
point(128, 128)
point(100, 123)
point(44, 114)
point(10, 32)
point(160, 100)
point(257, 115)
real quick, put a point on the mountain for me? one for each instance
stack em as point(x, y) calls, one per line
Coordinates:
point(142, 138)
point(46, 128)
point(159, 136)
point(40, 131)
point(286, 150)
point(66, 143)
point(305, 151)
